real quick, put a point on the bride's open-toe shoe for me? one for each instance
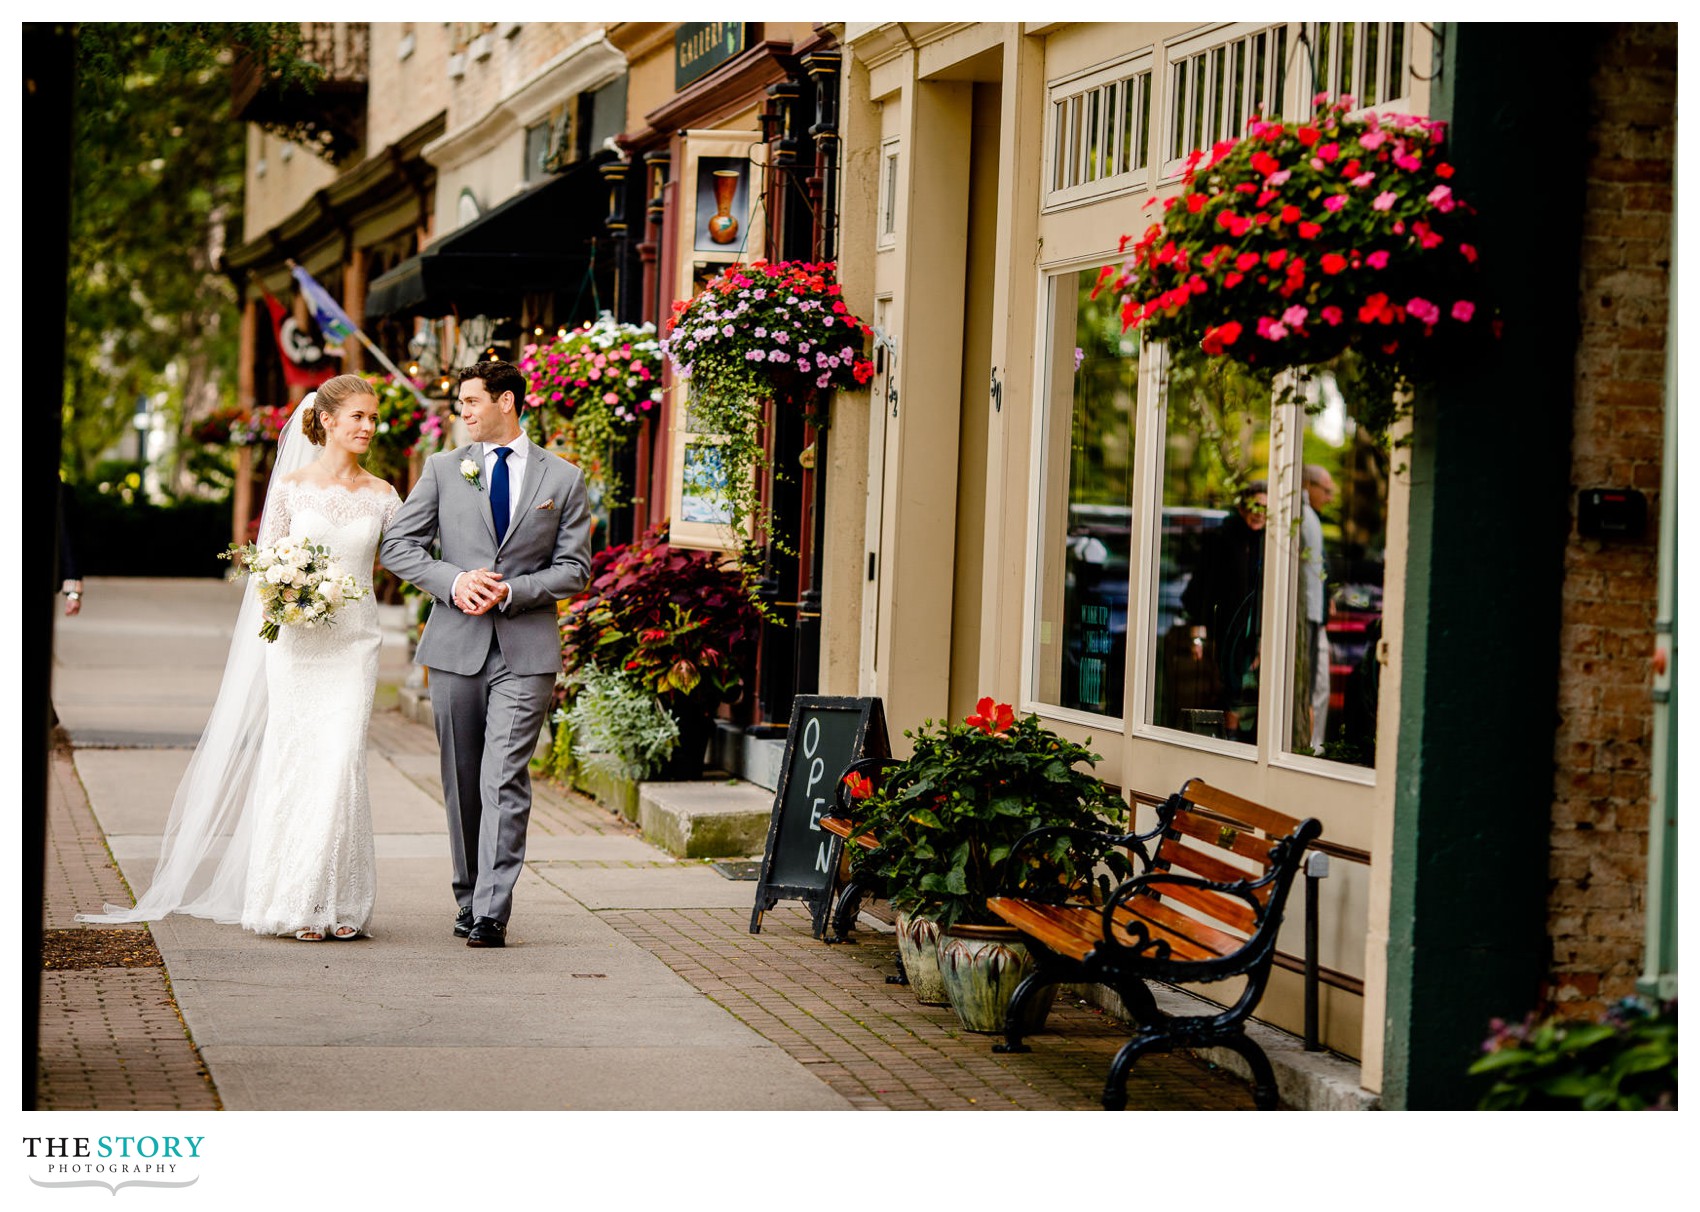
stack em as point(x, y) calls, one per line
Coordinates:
point(310, 935)
point(345, 932)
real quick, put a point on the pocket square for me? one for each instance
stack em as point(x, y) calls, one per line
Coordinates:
point(549, 504)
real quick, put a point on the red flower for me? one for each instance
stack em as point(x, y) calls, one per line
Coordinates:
point(1195, 203)
point(1246, 261)
point(1289, 214)
point(1443, 170)
point(991, 718)
point(1277, 258)
point(860, 785)
point(1308, 135)
point(631, 664)
point(1333, 263)
point(1264, 163)
point(1310, 231)
point(1233, 279)
point(1216, 340)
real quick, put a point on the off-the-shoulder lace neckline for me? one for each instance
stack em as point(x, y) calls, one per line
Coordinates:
point(353, 492)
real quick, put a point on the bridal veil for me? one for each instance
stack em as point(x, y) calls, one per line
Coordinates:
point(203, 859)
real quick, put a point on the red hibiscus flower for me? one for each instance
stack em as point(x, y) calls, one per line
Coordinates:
point(860, 785)
point(991, 718)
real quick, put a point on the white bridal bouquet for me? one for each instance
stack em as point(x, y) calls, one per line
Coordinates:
point(298, 583)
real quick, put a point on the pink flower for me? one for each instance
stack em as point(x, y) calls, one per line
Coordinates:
point(1295, 316)
point(1333, 315)
point(1441, 196)
point(1423, 310)
point(1374, 139)
point(1270, 330)
point(1462, 310)
point(1468, 251)
point(1377, 259)
point(610, 398)
point(1363, 179)
point(1407, 161)
point(1333, 202)
point(1385, 200)
point(1280, 178)
point(1328, 152)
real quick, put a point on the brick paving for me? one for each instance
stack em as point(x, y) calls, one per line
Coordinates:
point(111, 1037)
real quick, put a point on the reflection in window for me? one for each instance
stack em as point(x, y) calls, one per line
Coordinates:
point(1209, 601)
point(1081, 602)
point(1342, 547)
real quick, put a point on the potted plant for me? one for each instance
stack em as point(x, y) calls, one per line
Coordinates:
point(1334, 241)
point(946, 820)
point(403, 423)
point(590, 388)
point(756, 332)
point(680, 623)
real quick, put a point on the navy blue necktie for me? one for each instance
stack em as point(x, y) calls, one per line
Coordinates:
point(499, 493)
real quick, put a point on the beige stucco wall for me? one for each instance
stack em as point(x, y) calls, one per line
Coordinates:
point(278, 178)
point(405, 92)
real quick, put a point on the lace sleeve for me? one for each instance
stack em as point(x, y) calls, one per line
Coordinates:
point(275, 521)
point(391, 508)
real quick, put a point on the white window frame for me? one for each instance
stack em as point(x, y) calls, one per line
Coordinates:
point(1201, 42)
point(1122, 178)
point(1030, 701)
point(890, 191)
point(1384, 43)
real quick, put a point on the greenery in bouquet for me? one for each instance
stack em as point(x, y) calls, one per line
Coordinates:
point(617, 725)
point(297, 581)
point(1334, 240)
point(404, 422)
point(682, 623)
point(948, 818)
point(589, 389)
point(1625, 1063)
point(756, 332)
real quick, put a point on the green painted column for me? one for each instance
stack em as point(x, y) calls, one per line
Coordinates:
point(1489, 466)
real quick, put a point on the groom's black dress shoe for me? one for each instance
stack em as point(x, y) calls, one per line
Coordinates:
point(487, 932)
point(463, 922)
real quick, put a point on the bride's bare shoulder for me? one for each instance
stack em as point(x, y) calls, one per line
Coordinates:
point(301, 475)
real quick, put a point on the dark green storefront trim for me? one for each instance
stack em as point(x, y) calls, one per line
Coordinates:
point(1489, 470)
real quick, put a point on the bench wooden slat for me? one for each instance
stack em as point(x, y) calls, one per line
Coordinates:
point(1242, 842)
point(1075, 930)
point(1202, 863)
point(1217, 942)
point(844, 827)
point(1218, 906)
point(1275, 824)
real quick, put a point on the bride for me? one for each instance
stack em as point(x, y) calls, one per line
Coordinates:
point(279, 775)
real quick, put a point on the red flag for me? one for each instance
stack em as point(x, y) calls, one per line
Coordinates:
point(304, 360)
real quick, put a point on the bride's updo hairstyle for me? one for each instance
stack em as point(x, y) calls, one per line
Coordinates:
point(332, 396)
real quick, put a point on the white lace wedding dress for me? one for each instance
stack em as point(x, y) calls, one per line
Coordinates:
point(311, 863)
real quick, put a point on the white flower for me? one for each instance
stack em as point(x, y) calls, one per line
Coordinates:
point(297, 578)
point(469, 472)
point(276, 574)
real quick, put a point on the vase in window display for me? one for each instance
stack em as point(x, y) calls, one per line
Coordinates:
point(722, 226)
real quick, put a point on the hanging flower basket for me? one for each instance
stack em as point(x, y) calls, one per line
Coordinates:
point(403, 423)
point(590, 388)
point(758, 332)
point(224, 427)
point(1306, 241)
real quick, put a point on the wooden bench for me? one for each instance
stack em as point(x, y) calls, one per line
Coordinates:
point(1192, 916)
point(843, 826)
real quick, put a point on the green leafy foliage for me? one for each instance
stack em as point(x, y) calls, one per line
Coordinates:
point(156, 180)
point(617, 726)
point(1626, 1063)
point(948, 818)
point(679, 621)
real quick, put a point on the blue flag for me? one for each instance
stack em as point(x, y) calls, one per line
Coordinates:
point(330, 317)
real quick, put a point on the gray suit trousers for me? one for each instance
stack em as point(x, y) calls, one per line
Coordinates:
point(487, 727)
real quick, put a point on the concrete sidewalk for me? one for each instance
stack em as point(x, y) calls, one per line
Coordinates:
point(630, 979)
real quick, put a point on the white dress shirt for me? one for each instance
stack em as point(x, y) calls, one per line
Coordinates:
point(520, 449)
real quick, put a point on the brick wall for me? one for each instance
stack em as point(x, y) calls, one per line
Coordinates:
point(1604, 739)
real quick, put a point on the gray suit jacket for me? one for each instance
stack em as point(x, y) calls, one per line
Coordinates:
point(544, 557)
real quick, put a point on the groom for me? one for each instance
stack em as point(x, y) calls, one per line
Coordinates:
point(514, 528)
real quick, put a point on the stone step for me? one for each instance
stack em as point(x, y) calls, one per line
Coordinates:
point(705, 819)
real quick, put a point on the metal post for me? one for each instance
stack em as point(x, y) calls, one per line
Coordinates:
point(1316, 870)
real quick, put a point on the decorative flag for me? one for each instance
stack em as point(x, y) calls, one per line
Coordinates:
point(303, 358)
point(327, 313)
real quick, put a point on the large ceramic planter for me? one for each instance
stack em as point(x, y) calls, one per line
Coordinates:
point(917, 943)
point(980, 967)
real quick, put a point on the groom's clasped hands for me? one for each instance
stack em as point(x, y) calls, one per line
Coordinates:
point(478, 590)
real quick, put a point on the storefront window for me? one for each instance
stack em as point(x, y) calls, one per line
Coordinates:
point(1208, 652)
point(1333, 675)
point(1080, 630)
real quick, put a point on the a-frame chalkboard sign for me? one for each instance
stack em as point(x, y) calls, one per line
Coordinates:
point(827, 733)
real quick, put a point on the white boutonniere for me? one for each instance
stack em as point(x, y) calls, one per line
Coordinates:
point(469, 472)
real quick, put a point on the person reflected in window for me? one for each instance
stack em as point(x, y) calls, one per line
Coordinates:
point(1224, 607)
